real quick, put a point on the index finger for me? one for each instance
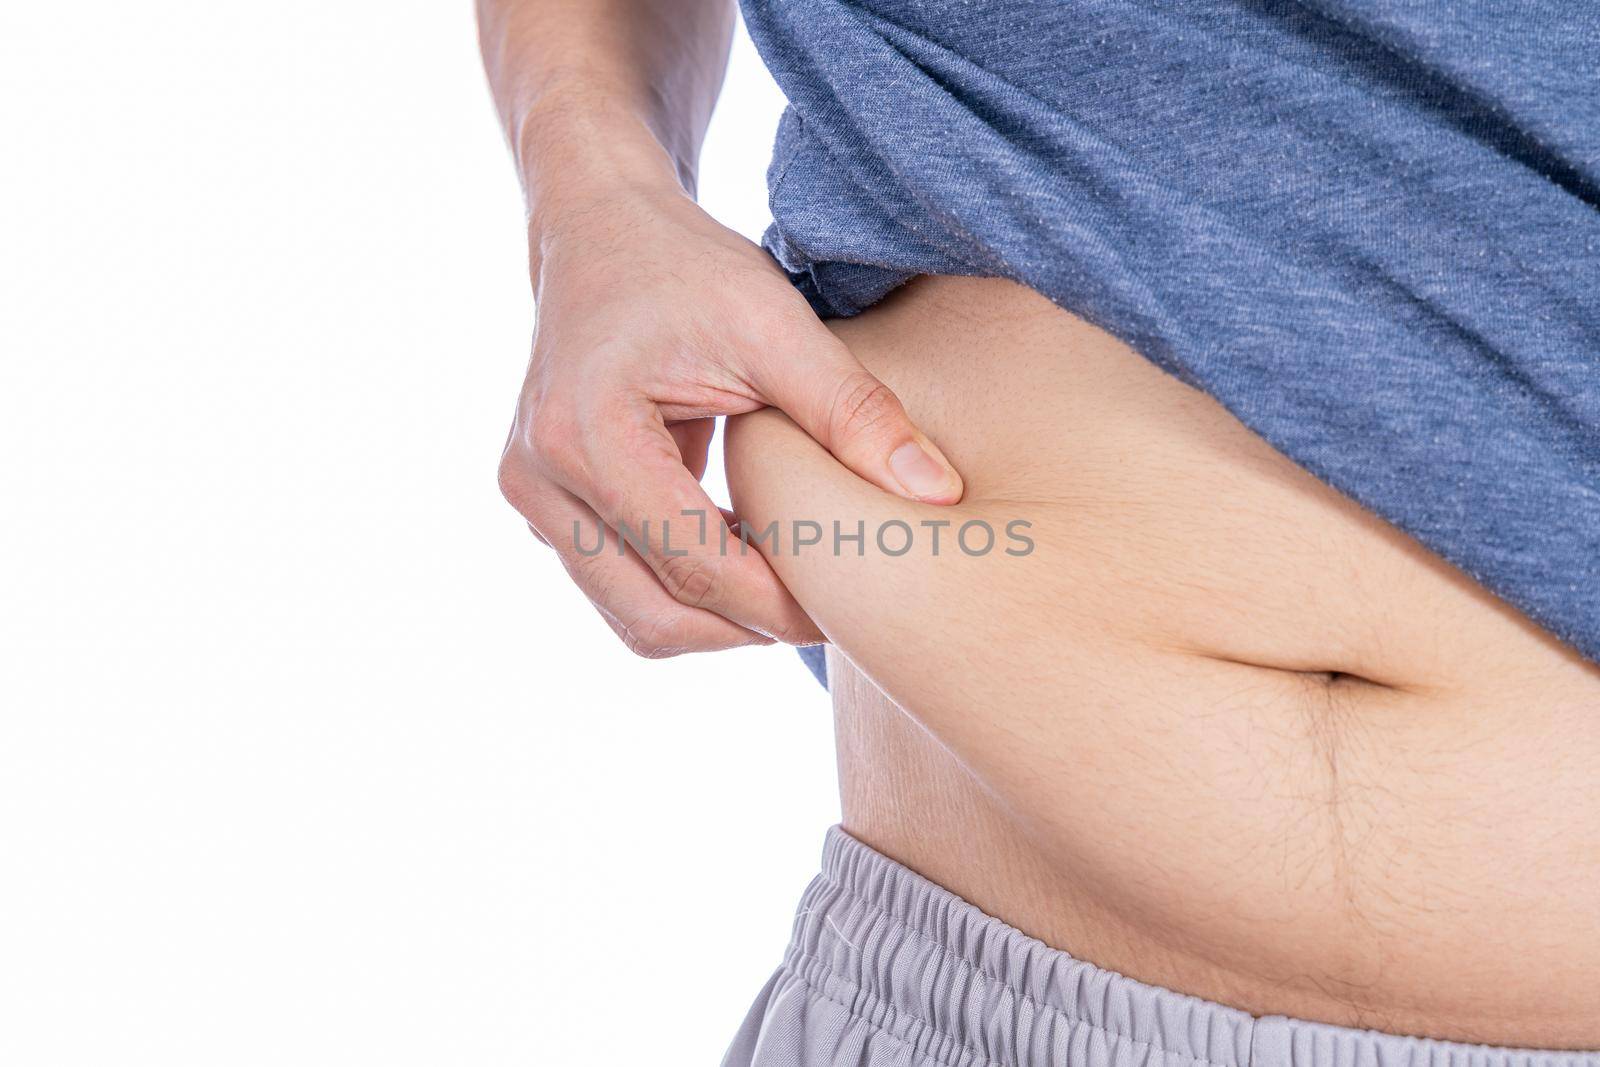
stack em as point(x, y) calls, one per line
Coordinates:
point(636, 482)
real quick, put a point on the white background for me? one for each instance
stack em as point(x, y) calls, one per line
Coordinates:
point(308, 753)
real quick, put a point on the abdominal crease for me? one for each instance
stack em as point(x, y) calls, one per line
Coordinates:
point(1211, 672)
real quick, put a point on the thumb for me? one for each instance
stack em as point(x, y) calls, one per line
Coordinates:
point(852, 414)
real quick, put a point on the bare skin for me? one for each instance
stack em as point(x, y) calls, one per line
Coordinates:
point(653, 319)
point(1221, 730)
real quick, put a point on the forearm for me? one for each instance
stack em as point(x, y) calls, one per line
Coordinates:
point(588, 88)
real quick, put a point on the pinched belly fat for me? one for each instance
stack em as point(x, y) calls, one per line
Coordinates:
point(1155, 695)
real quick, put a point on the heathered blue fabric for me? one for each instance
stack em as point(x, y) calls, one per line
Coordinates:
point(816, 661)
point(1370, 228)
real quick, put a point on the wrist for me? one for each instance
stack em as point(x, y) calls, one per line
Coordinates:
point(582, 155)
point(576, 134)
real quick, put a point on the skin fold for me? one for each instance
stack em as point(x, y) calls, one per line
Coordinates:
point(653, 319)
point(1219, 729)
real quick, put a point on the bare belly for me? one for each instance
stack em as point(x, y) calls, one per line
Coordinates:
point(1206, 723)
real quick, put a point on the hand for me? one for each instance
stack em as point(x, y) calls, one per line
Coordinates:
point(652, 320)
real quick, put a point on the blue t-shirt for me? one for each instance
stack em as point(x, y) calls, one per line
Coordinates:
point(1370, 228)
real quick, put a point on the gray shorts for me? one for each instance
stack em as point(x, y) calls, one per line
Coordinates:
point(885, 968)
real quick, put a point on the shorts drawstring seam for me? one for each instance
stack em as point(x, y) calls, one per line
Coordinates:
point(817, 963)
point(928, 939)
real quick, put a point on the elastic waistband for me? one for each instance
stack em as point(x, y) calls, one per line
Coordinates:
point(964, 989)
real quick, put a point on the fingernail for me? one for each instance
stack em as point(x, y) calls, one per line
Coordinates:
point(922, 475)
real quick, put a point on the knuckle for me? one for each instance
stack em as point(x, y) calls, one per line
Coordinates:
point(517, 485)
point(551, 437)
point(690, 580)
point(613, 502)
point(655, 637)
point(864, 406)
